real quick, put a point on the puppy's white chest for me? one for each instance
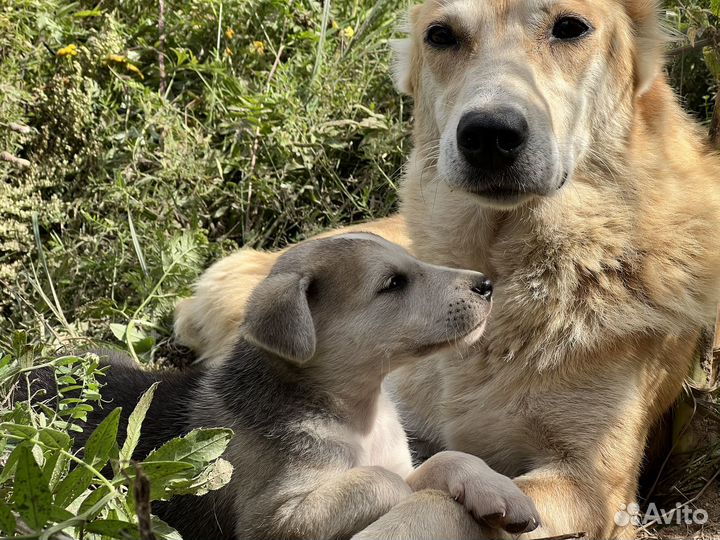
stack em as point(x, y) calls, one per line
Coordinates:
point(386, 445)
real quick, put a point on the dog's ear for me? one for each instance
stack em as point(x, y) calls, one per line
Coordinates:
point(404, 63)
point(278, 317)
point(650, 42)
point(401, 65)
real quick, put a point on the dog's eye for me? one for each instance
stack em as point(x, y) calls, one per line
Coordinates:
point(440, 36)
point(567, 28)
point(394, 283)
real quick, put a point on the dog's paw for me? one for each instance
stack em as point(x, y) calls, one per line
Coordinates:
point(492, 498)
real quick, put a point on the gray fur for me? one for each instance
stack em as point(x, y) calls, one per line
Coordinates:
point(318, 450)
point(281, 321)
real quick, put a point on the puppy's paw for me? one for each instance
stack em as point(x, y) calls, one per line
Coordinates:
point(492, 498)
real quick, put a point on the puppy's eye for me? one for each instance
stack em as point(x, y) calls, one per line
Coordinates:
point(441, 36)
point(394, 283)
point(568, 28)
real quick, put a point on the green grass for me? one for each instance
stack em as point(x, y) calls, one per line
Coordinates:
point(269, 121)
point(265, 122)
point(260, 137)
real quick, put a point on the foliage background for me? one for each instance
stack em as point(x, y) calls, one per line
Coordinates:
point(268, 120)
point(235, 150)
point(142, 140)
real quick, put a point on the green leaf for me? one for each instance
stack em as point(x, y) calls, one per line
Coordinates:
point(198, 447)
point(89, 13)
point(113, 528)
point(55, 466)
point(135, 424)
point(73, 485)
point(156, 471)
point(38, 455)
point(8, 470)
point(712, 59)
point(55, 439)
point(119, 508)
point(162, 530)
point(140, 341)
point(7, 520)
point(19, 341)
point(100, 444)
point(213, 477)
point(8, 368)
point(163, 475)
point(18, 430)
point(60, 514)
point(31, 495)
point(119, 330)
point(92, 499)
point(19, 415)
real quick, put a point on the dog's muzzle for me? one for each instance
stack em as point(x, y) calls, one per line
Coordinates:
point(491, 141)
point(501, 157)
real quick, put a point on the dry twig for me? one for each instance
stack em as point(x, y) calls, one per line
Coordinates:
point(683, 505)
point(141, 489)
point(566, 536)
point(161, 45)
point(19, 128)
point(20, 163)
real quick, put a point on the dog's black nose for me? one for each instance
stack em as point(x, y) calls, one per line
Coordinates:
point(492, 140)
point(484, 288)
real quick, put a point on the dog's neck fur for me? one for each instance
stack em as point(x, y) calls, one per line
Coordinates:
point(594, 262)
point(354, 393)
point(284, 394)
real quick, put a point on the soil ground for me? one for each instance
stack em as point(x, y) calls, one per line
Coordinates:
point(692, 478)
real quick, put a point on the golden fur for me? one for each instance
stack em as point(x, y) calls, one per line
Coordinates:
point(602, 286)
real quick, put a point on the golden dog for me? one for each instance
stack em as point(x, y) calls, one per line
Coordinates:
point(551, 154)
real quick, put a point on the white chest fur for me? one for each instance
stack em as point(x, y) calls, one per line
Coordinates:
point(386, 444)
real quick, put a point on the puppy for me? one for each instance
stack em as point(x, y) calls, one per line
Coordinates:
point(318, 450)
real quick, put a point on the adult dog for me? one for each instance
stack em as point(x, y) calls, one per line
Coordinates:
point(550, 153)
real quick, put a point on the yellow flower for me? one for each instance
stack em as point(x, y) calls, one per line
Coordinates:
point(134, 69)
point(348, 32)
point(229, 33)
point(117, 58)
point(70, 50)
point(258, 47)
point(335, 25)
point(228, 51)
point(120, 59)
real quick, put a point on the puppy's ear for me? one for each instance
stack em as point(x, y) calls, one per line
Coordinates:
point(650, 41)
point(278, 317)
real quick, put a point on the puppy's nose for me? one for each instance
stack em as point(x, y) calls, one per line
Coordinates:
point(483, 287)
point(491, 140)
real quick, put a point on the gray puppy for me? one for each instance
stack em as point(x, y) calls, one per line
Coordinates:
point(319, 451)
